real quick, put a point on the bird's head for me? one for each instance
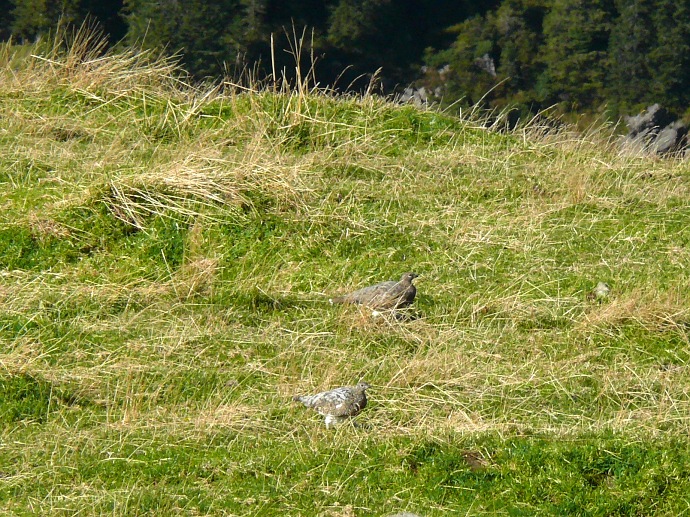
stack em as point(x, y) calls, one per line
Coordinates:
point(363, 385)
point(408, 277)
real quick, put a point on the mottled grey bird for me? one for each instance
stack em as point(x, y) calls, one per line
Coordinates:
point(338, 404)
point(388, 295)
point(600, 292)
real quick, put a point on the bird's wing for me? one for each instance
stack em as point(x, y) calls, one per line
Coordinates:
point(367, 295)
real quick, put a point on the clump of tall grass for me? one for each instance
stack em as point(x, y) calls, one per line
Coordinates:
point(79, 59)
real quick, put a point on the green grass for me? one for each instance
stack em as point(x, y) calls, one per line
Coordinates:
point(166, 258)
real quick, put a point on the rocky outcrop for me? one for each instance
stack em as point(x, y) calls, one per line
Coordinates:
point(656, 130)
point(487, 64)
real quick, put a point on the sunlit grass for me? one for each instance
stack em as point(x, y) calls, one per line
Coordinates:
point(167, 256)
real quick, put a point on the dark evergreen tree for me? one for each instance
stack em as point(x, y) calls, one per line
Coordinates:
point(631, 41)
point(393, 34)
point(354, 28)
point(32, 18)
point(107, 14)
point(495, 58)
point(283, 14)
point(5, 19)
point(649, 56)
point(205, 33)
point(669, 59)
point(519, 36)
point(29, 19)
point(576, 39)
point(467, 70)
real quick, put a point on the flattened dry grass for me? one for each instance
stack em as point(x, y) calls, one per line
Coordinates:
point(167, 255)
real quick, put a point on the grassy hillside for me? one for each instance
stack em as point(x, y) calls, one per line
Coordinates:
point(166, 257)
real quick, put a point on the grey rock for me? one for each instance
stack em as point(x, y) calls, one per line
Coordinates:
point(655, 130)
point(650, 120)
point(387, 296)
point(486, 63)
point(417, 96)
point(338, 404)
point(671, 138)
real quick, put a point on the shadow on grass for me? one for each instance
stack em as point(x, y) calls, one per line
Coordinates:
point(26, 397)
point(266, 303)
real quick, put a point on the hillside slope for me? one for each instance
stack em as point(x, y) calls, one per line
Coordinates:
point(167, 254)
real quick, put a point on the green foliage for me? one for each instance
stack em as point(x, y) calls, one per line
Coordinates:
point(353, 20)
point(671, 54)
point(583, 56)
point(26, 399)
point(205, 33)
point(464, 79)
point(519, 36)
point(32, 18)
point(20, 249)
point(630, 44)
point(648, 55)
point(576, 40)
point(5, 19)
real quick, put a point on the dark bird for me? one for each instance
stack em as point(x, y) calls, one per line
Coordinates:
point(390, 295)
point(338, 404)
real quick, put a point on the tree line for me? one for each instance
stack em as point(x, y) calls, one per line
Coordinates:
point(607, 56)
point(611, 56)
